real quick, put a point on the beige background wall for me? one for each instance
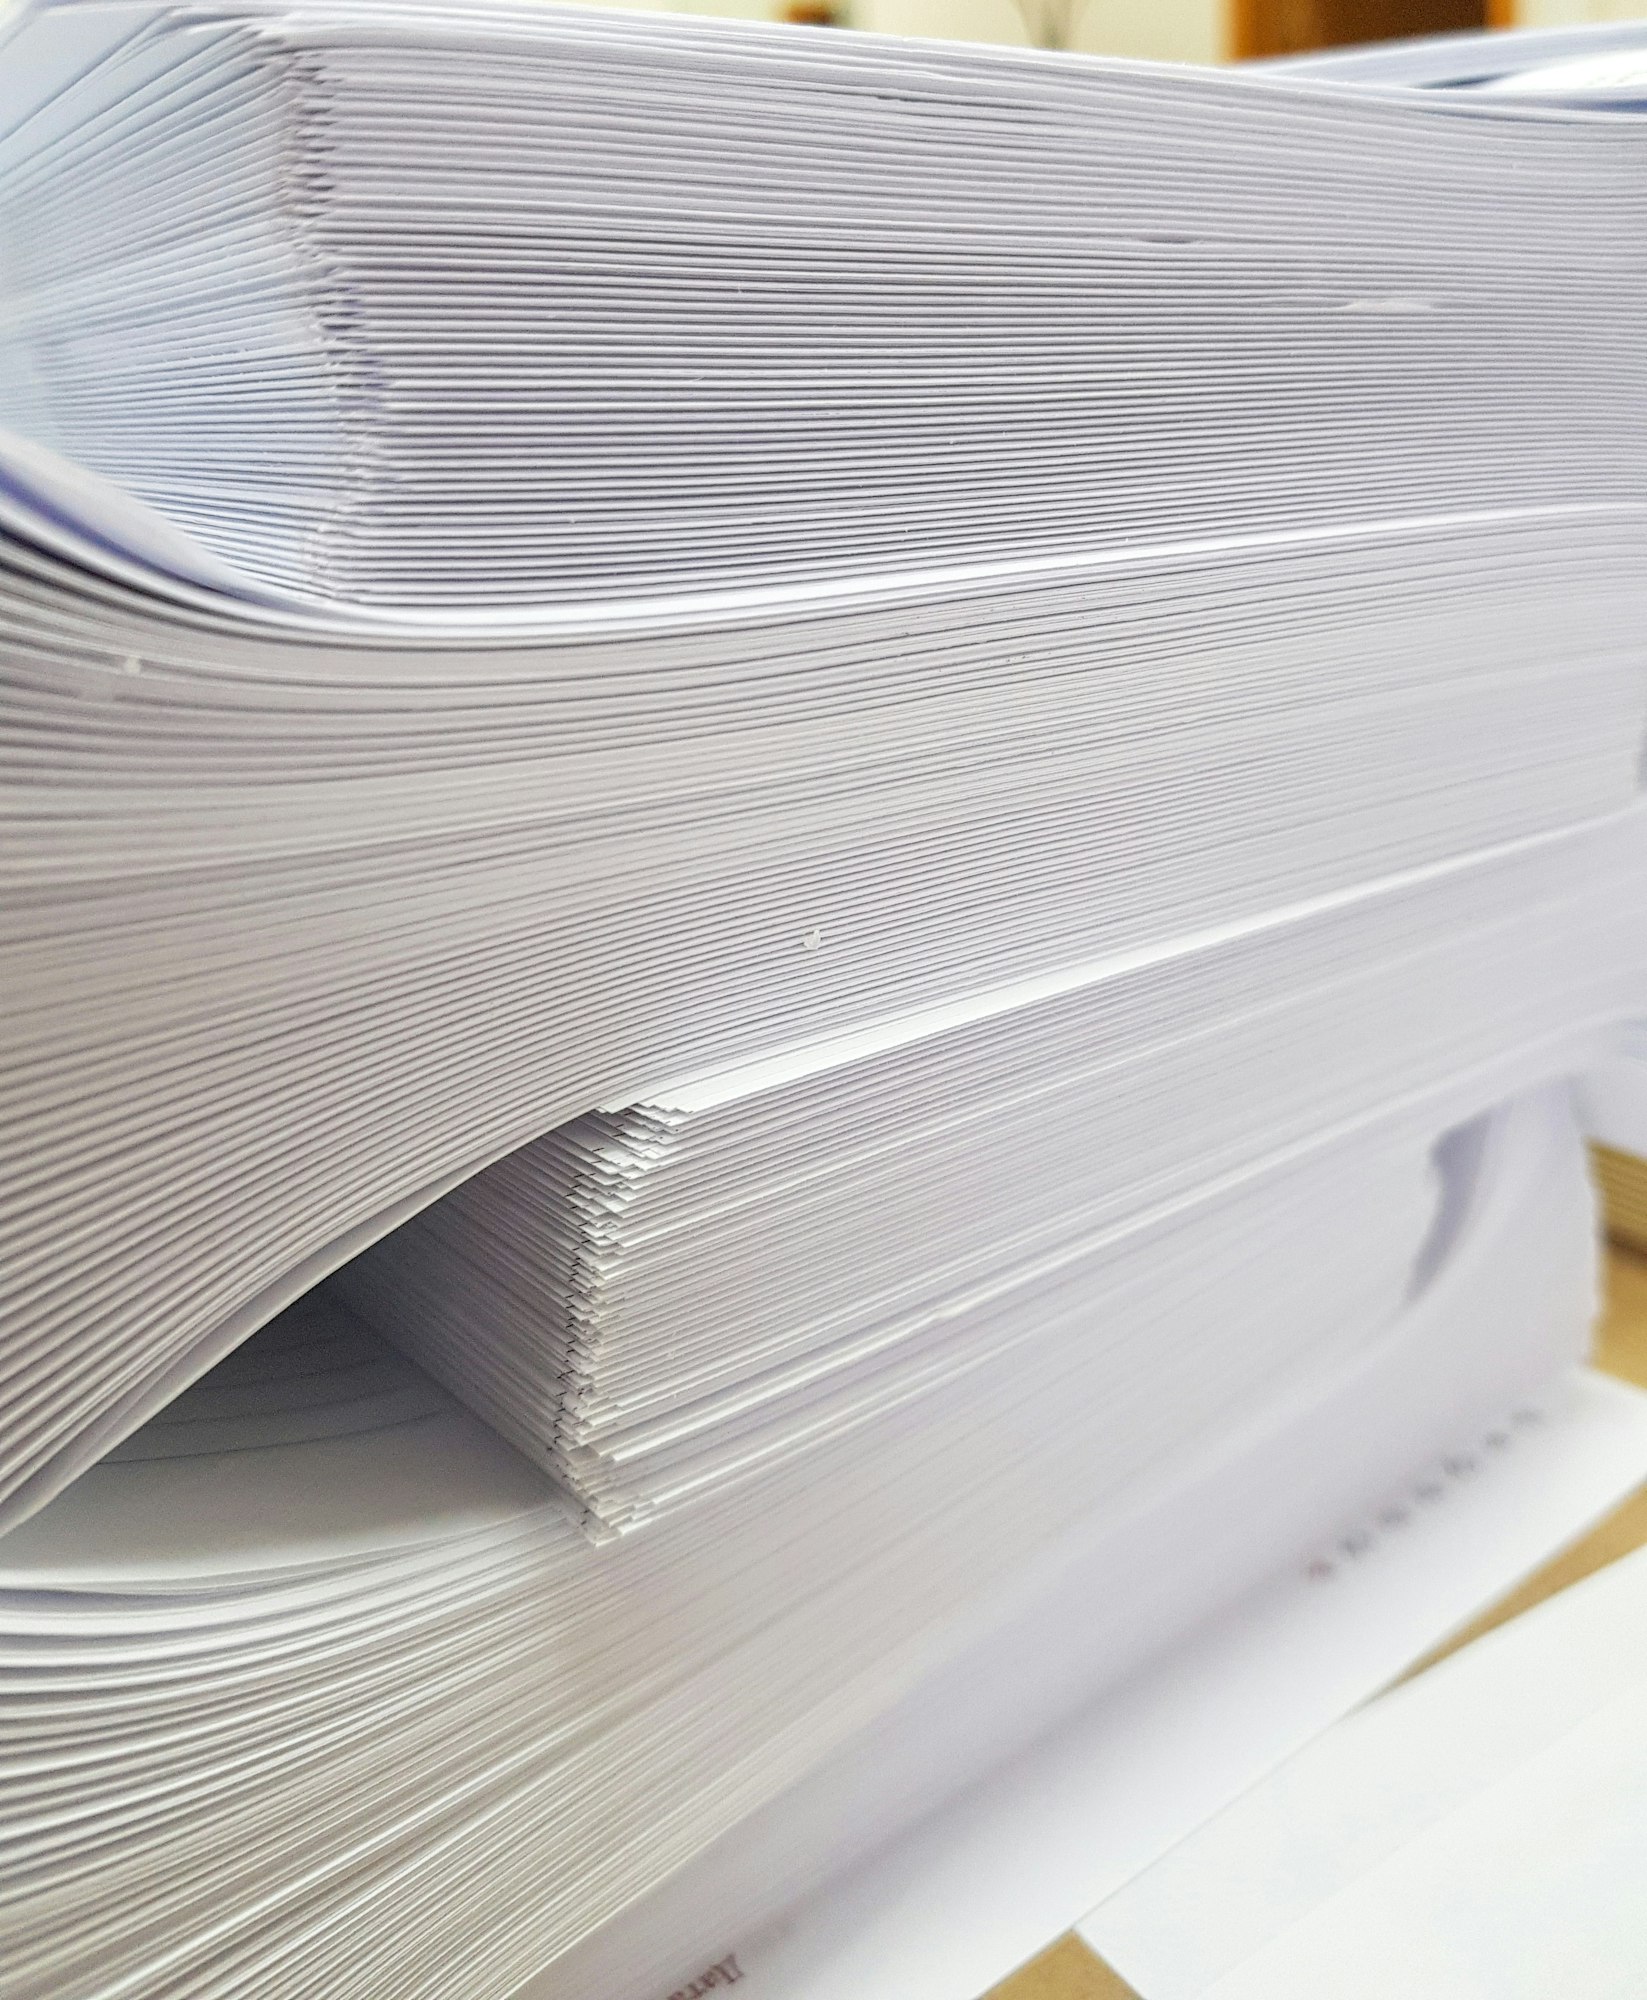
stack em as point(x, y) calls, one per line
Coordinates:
point(1167, 30)
point(1574, 13)
point(1171, 30)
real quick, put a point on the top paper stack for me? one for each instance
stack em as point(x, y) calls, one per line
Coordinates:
point(491, 315)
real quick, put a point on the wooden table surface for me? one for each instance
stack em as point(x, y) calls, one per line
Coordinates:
point(1069, 1971)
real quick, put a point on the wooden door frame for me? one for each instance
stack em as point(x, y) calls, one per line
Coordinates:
point(1241, 18)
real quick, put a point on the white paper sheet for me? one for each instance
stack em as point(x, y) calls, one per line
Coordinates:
point(1480, 1830)
point(998, 1873)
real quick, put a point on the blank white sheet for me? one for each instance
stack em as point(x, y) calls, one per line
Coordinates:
point(1481, 1830)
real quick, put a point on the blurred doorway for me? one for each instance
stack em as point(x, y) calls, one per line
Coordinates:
point(1288, 27)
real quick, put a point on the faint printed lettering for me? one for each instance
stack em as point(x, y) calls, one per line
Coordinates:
point(724, 1972)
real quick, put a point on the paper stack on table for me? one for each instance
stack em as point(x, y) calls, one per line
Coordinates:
point(903, 744)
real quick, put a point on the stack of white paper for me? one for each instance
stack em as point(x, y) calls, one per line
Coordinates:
point(901, 742)
point(668, 1294)
point(313, 1689)
point(1262, 591)
point(438, 310)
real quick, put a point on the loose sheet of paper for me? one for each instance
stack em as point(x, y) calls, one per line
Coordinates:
point(1481, 1830)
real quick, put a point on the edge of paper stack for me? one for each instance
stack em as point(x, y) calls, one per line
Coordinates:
point(808, 839)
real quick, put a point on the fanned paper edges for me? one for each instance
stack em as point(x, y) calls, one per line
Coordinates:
point(218, 435)
point(649, 1330)
point(255, 406)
